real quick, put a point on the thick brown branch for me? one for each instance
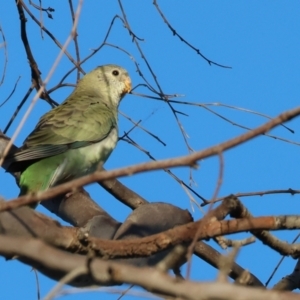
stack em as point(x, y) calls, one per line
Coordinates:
point(185, 234)
point(238, 210)
point(122, 193)
point(56, 263)
point(24, 221)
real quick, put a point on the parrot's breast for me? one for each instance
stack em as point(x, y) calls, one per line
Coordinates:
point(86, 160)
point(93, 156)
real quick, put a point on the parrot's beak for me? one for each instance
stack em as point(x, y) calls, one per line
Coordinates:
point(128, 87)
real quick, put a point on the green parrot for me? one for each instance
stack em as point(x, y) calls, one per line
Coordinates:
point(76, 137)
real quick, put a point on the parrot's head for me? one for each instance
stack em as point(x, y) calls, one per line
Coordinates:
point(110, 82)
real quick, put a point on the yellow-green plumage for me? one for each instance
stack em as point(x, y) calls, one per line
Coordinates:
point(76, 137)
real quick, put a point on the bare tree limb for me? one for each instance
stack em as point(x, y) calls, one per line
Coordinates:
point(56, 263)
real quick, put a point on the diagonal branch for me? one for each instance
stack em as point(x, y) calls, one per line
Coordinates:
point(188, 160)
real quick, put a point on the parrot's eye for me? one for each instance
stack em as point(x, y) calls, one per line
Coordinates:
point(115, 72)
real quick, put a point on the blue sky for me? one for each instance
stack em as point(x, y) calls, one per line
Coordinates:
point(258, 39)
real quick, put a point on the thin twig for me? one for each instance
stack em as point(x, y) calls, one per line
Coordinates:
point(5, 55)
point(37, 283)
point(174, 32)
point(75, 40)
point(258, 193)
point(12, 92)
point(247, 111)
point(204, 105)
point(137, 124)
point(94, 51)
point(17, 110)
point(48, 10)
point(81, 270)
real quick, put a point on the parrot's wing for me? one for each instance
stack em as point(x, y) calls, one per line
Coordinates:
point(73, 124)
